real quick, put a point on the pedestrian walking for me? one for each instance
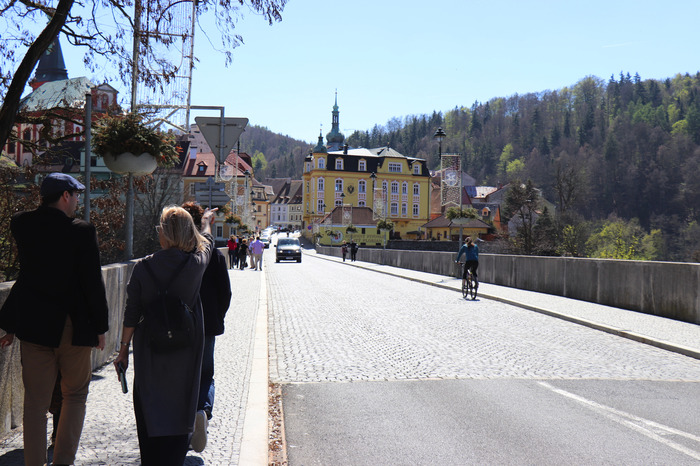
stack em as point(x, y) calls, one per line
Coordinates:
point(242, 254)
point(57, 308)
point(215, 293)
point(166, 380)
point(232, 244)
point(353, 250)
point(256, 250)
point(344, 250)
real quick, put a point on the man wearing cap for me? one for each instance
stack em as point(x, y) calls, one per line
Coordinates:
point(57, 308)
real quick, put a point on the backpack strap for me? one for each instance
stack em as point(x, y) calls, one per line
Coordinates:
point(161, 288)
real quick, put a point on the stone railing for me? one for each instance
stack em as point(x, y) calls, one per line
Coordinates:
point(667, 289)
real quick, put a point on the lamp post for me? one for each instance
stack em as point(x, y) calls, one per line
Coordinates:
point(439, 135)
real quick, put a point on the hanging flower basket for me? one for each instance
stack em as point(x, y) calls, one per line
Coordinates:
point(127, 145)
point(126, 162)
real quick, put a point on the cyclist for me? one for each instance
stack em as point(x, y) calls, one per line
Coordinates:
point(471, 253)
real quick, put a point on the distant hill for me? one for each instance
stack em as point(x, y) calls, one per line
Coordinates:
point(282, 156)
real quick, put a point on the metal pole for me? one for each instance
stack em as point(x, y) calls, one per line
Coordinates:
point(88, 152)
point(129, 221)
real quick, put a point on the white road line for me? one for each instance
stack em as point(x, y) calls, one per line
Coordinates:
point(651, 429)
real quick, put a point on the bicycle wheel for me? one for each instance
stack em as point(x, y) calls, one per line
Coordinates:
point(465, 289)
point(473, 285)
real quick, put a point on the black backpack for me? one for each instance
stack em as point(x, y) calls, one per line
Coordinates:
point(169, 322)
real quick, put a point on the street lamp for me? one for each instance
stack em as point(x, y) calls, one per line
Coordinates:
point(439, 135)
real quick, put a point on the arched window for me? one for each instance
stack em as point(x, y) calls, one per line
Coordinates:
point(321, 163)
point(339, 185)
point(416, 189)
point(394, 187)
point(362, 186)
point(404, 188)
point(320, 185)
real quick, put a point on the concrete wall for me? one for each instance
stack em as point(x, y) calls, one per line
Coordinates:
point(666, 289)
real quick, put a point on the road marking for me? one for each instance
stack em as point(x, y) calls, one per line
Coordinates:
point(651, 429)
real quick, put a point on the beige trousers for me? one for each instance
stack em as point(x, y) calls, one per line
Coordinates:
point(40, 366)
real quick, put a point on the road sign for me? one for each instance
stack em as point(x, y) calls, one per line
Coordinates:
point(210, 127)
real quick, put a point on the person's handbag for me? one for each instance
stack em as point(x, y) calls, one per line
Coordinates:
point(169, 321)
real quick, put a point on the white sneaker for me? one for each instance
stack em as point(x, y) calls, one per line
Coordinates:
point(199, 437)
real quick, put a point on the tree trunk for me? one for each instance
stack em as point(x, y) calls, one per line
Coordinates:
point(10, 105)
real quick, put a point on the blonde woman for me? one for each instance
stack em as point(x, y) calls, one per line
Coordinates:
point(166, 384)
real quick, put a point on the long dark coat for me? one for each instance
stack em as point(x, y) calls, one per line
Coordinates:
point(166, 385)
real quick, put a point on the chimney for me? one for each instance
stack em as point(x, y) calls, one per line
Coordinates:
point(345, 149)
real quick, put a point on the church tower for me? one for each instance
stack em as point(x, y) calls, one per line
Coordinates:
point(335, 138)
point(51, 66)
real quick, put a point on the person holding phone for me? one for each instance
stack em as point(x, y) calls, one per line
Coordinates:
point(166, 384)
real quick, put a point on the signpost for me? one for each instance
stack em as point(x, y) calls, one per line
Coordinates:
point(221, 133)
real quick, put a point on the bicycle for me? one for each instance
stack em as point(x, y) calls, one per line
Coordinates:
point(470, 284)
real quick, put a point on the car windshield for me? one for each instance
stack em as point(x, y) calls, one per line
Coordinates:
point(288, 242)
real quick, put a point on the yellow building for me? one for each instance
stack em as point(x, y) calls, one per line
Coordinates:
point(395, 187)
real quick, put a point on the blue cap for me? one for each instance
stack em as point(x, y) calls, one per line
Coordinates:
point(59, 182)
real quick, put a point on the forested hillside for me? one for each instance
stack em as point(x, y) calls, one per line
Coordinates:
point(625, 149)
point(274, 155)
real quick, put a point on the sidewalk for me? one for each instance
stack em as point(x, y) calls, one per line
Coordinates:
point(672, 335)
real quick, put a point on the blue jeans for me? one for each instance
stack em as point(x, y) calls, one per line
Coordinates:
point(206, 383)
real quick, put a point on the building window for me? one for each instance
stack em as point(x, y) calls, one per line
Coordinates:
point(394, 187)
point(339, 164)
point(394, 167)
point(416, 189)
point(192, 188)
point(394, 209)
point(339, 185)
point(338, 202)
point(361, 204)
point(416, 211)
point(404, 210)
point(320, 184)
point(219, 231)
point(385, 186)
point(404, 188)
point(362, 166)
point(319, 206)
point(321, 163)
point(362, 186)
point(416, 169)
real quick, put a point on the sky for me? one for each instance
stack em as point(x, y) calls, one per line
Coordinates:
point(396, 58)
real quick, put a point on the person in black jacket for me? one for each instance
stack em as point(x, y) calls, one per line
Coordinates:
point(57, 308)
point(215, 293)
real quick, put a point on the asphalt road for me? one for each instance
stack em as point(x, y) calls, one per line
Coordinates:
point(379, 370)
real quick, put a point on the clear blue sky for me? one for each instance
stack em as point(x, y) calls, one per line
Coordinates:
point(394, 58)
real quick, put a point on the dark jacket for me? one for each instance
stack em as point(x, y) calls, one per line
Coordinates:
point(216, 294)
point(167, 384)
point(59, 276)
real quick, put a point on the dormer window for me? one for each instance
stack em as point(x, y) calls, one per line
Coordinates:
point(416, 169)
point(201, 168)
point(486, 212)
point(394, 167)
point(339, 164)
point(362, 166)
